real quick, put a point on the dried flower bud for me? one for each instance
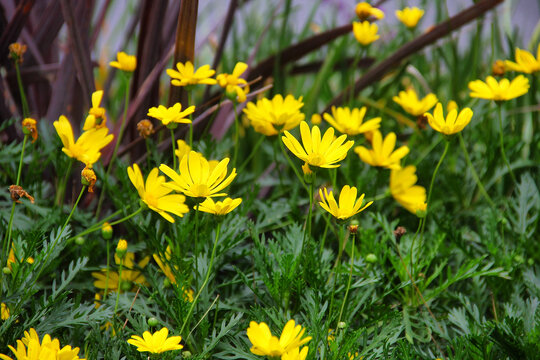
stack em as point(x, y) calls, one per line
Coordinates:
point(498, 69)
point(106, 231)
point(88, 178)
point(145, 128)
point(29, 128)
point(121, 248)
point(16, 192)
point(308, 174)
point(16, 52)
point(421, 122)
point(353, 229)
point(399, 232)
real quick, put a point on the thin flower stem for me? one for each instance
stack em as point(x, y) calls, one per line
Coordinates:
point(236, 135)
point(291, 164)
point(307, 230)
point(174, 149)
point(253, 152)
point(501, 140)
point(62, 186)
point(96, 226)
point(190, 312)
point(107, 271)
point(196, 234)
point(188, 92)
point(24, 102)
point(119, 285)
point(348, 282)
point(474, 173)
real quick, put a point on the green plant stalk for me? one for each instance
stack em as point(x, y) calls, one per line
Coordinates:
point(174, 149)
point(190, 312)
point(291, 164)
point(236, 135)
point(307, 230)
point(474, 173)
point(188, 92)
point(501, 140)
point(119, 285)
point(127, 77)
point(354, 66)
point(62, 186)
point(24, 102)
point(99, 224)
point(253, 152)
point(107, 271)
point(348, 281)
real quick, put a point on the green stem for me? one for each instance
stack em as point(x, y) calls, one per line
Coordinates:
point(205, 279)
point(236, 135)
point(62, 186)
point(107, 271)
point(474, 173)
point(174, 149)
point(253, 152)
point(24, 102)
point(501, 140)
point(307, 230)
point(291, 164)
point(349, 281)
point(96, 226)
point(119, 285)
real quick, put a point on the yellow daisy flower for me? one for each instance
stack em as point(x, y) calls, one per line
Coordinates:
point(265, 344)
point(270, 117)
point(453, 123)
point(219, 207)
point(130, 276)
point(186, 75)
point(365, 32)
point(234, 85)
point(499, 90)
point(410, 16)
point(97, 117)
point(125, 62)
point(402, 187)
point(325, 152)
point(525, 62)
point(409, 101)
point(155, 195)
point(157, 342)
point(173, 115)
point(4, 312)
point(163, 263)
point(351, 122)
point(348, 205)
point(382, 153)
point(87, 147)
point(196, 179)
point(364, 11)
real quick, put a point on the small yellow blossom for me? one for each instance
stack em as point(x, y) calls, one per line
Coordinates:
point(173, 115)
point(145, 128)
point(409, 101)
point(316, 119)
point(219, 208)
point(296, 354)
point(15, 259)
point(155, 195)
point(382, 153)
point(265, 344)
point(348, 205)
point(364, 11)
point(97, 117)
point(325, 152)
point(125, 62)
point(106, 231)
point(88, 178)
point(270, 117)
point(234, 85)
point(351, 122)
point(4, 312)
point(29, 128)
point(525, 62)
point(410, 16)
point(16, 52)
point(404, 189)
point(122, 245)
point(130, 276)
point(453, 123)
point(186, 75)
point(196, 179)
point(499, 90)
point(365, 32)
point(157, 342)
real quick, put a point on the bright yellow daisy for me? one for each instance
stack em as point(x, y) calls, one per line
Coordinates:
point(325, 152)
point(265, 344)
point(364, 11)
point(172, 115)
point(351, 122)
point(410, 16)
point(130, 277)
point(270, 117)
point(97, 117)
point(409, 101)
point(348, 205)
point(365, 32)
point(155, 195)
point(197, 179)
point(157, 342)
point(382, 153)
point(219, 208)
point(235, 87)
point(125, 62)
point(404, 189)
point(187, 75)
point(499, 90)
point(525, 62)
point(453, 123)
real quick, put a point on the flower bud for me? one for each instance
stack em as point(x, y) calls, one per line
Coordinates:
point(316, 119)
point(353, 229)
point(106, 231)
point(152, 321)
point(121, 248)
point(16, 52)
point(79, 240)
point(145, 128)
point(88, 177)
point(341, 325)
point(29, 128)
point(6, 270)
point(498, 68)
point(125, 285)
point(371, 258)
point(186, 354)
point(308, 174)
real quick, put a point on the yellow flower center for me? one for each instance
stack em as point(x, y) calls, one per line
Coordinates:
point(316, 159)
point(150, 200)
point(200, 190)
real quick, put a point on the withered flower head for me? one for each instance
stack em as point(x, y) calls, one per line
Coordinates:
point(16, 52)
point(88, 178)
point(17, 192)
point(145, 128)
point(498, 68)
point(29, 128)
point(399, 232)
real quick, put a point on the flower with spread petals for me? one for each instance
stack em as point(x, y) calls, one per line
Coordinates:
point(235, 87)
point(410, 16)
point(157, 342)
point(219, 208)
point(365, 32)
point(155, 195)
point(296, 354)
point(525, 62)
point(404, 189)
point(409, 101)
point(499, 90)
point(364, 11)
point(270, 117)
point(30, 348)
point(266, 344)
point(382, 153)
point(325, 152)
point(145, 128)
point(197, 179)
point(29, 128)
point(87, 147)
point(4, 311)
point(351, 122)
point(163, 263)
point(186, 75)
point(453, 123)
point(125, 62)
point(173, 115)
point(130, 277)
point(348, 205)
point(88, 178)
